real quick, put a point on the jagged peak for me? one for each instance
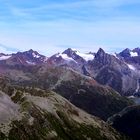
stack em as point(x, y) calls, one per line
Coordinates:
point(100, 51)
point(136, 49)
point(125, 53)
point(129, 50)
point(130, 53)
point(70, 50)
point(126, 50)
point(31, 51)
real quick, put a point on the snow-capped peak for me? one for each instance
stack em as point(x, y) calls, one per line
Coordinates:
point(130, 53)
point(35, 54)
point(73, 53)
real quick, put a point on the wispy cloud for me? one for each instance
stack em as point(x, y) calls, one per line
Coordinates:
point(51, 26)
point(86, 9)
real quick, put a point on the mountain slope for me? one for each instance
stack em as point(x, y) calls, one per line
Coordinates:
point(127, 122)
point(82, 91)
point(45, 115)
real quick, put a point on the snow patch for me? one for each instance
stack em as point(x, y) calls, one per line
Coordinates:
point(35, 55)
point(86, 57)
point(133, 54)
point(4, 57)
point(30, 63)
point(66, 57)
point(131, 67)
point(138, 86)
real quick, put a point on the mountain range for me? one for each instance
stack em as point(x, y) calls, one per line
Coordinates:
point(119, 71)
point(67, 87)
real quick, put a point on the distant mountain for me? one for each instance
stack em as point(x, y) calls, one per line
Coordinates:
point(106, 68)
point(73, 59)
point(71, 55)
point(109, 70)
point(77, 56)
point(23, 58)
point(131, 56)
point(130, 53)
point(118, 71)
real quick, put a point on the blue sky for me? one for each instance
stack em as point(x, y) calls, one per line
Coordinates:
point(51, 26)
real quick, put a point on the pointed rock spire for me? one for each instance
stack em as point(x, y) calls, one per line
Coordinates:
point(125, 53)
point(69, 52)
point(100, 52)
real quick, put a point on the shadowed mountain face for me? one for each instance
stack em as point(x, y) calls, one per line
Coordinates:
point(127, 122)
